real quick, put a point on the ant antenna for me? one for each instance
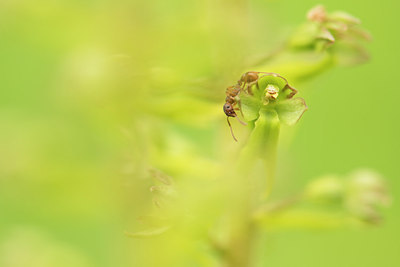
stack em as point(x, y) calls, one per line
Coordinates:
point(227, 119)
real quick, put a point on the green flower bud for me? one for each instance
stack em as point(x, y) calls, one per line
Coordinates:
point(367, 193)
point(327, 189)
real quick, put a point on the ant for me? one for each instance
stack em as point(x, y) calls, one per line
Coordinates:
point(247, 80)
point(230, 101)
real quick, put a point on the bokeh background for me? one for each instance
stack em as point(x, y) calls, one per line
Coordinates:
point(85, 96)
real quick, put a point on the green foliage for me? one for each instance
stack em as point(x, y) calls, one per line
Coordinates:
point(112, 123)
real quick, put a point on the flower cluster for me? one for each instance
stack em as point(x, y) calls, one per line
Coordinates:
point(361, 193)
point(325, 29)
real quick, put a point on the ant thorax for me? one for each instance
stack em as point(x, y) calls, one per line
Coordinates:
point(233, 90)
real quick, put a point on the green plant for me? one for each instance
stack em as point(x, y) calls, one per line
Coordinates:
point(222, 217)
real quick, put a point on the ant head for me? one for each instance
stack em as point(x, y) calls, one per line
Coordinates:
point(229, 111)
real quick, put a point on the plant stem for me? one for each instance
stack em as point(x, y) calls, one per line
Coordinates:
point(261, 152)
point(255, 175)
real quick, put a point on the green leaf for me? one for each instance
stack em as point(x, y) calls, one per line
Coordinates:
point(163, 190)
point(306, 219)
point(337, 26)
point(360, 33)
point(290, 110)
point(350, 54)
point(344, 17)
point(326, 35)
point(250, 107)
point(149, 232)
point(300, 65)
point(327, 189)
point(305, 35)
point(154, 221)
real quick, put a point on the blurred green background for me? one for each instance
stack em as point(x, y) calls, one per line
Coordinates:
point(84, 93)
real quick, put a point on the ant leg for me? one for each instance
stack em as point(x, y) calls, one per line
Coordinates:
point(270, 74)
point(240, 107)
point(240, 111)
point(294, 91)
point(230, 126)
point(248, 89)
point(244, 86)
point(249, 85)
point(287, 86)
point(242, 122)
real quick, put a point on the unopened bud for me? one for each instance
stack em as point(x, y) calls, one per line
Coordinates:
point(367, 192)
point(317, 14)
point(325, 189)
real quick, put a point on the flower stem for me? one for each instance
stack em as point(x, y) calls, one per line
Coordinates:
point(255, 175)
point(261, 152)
